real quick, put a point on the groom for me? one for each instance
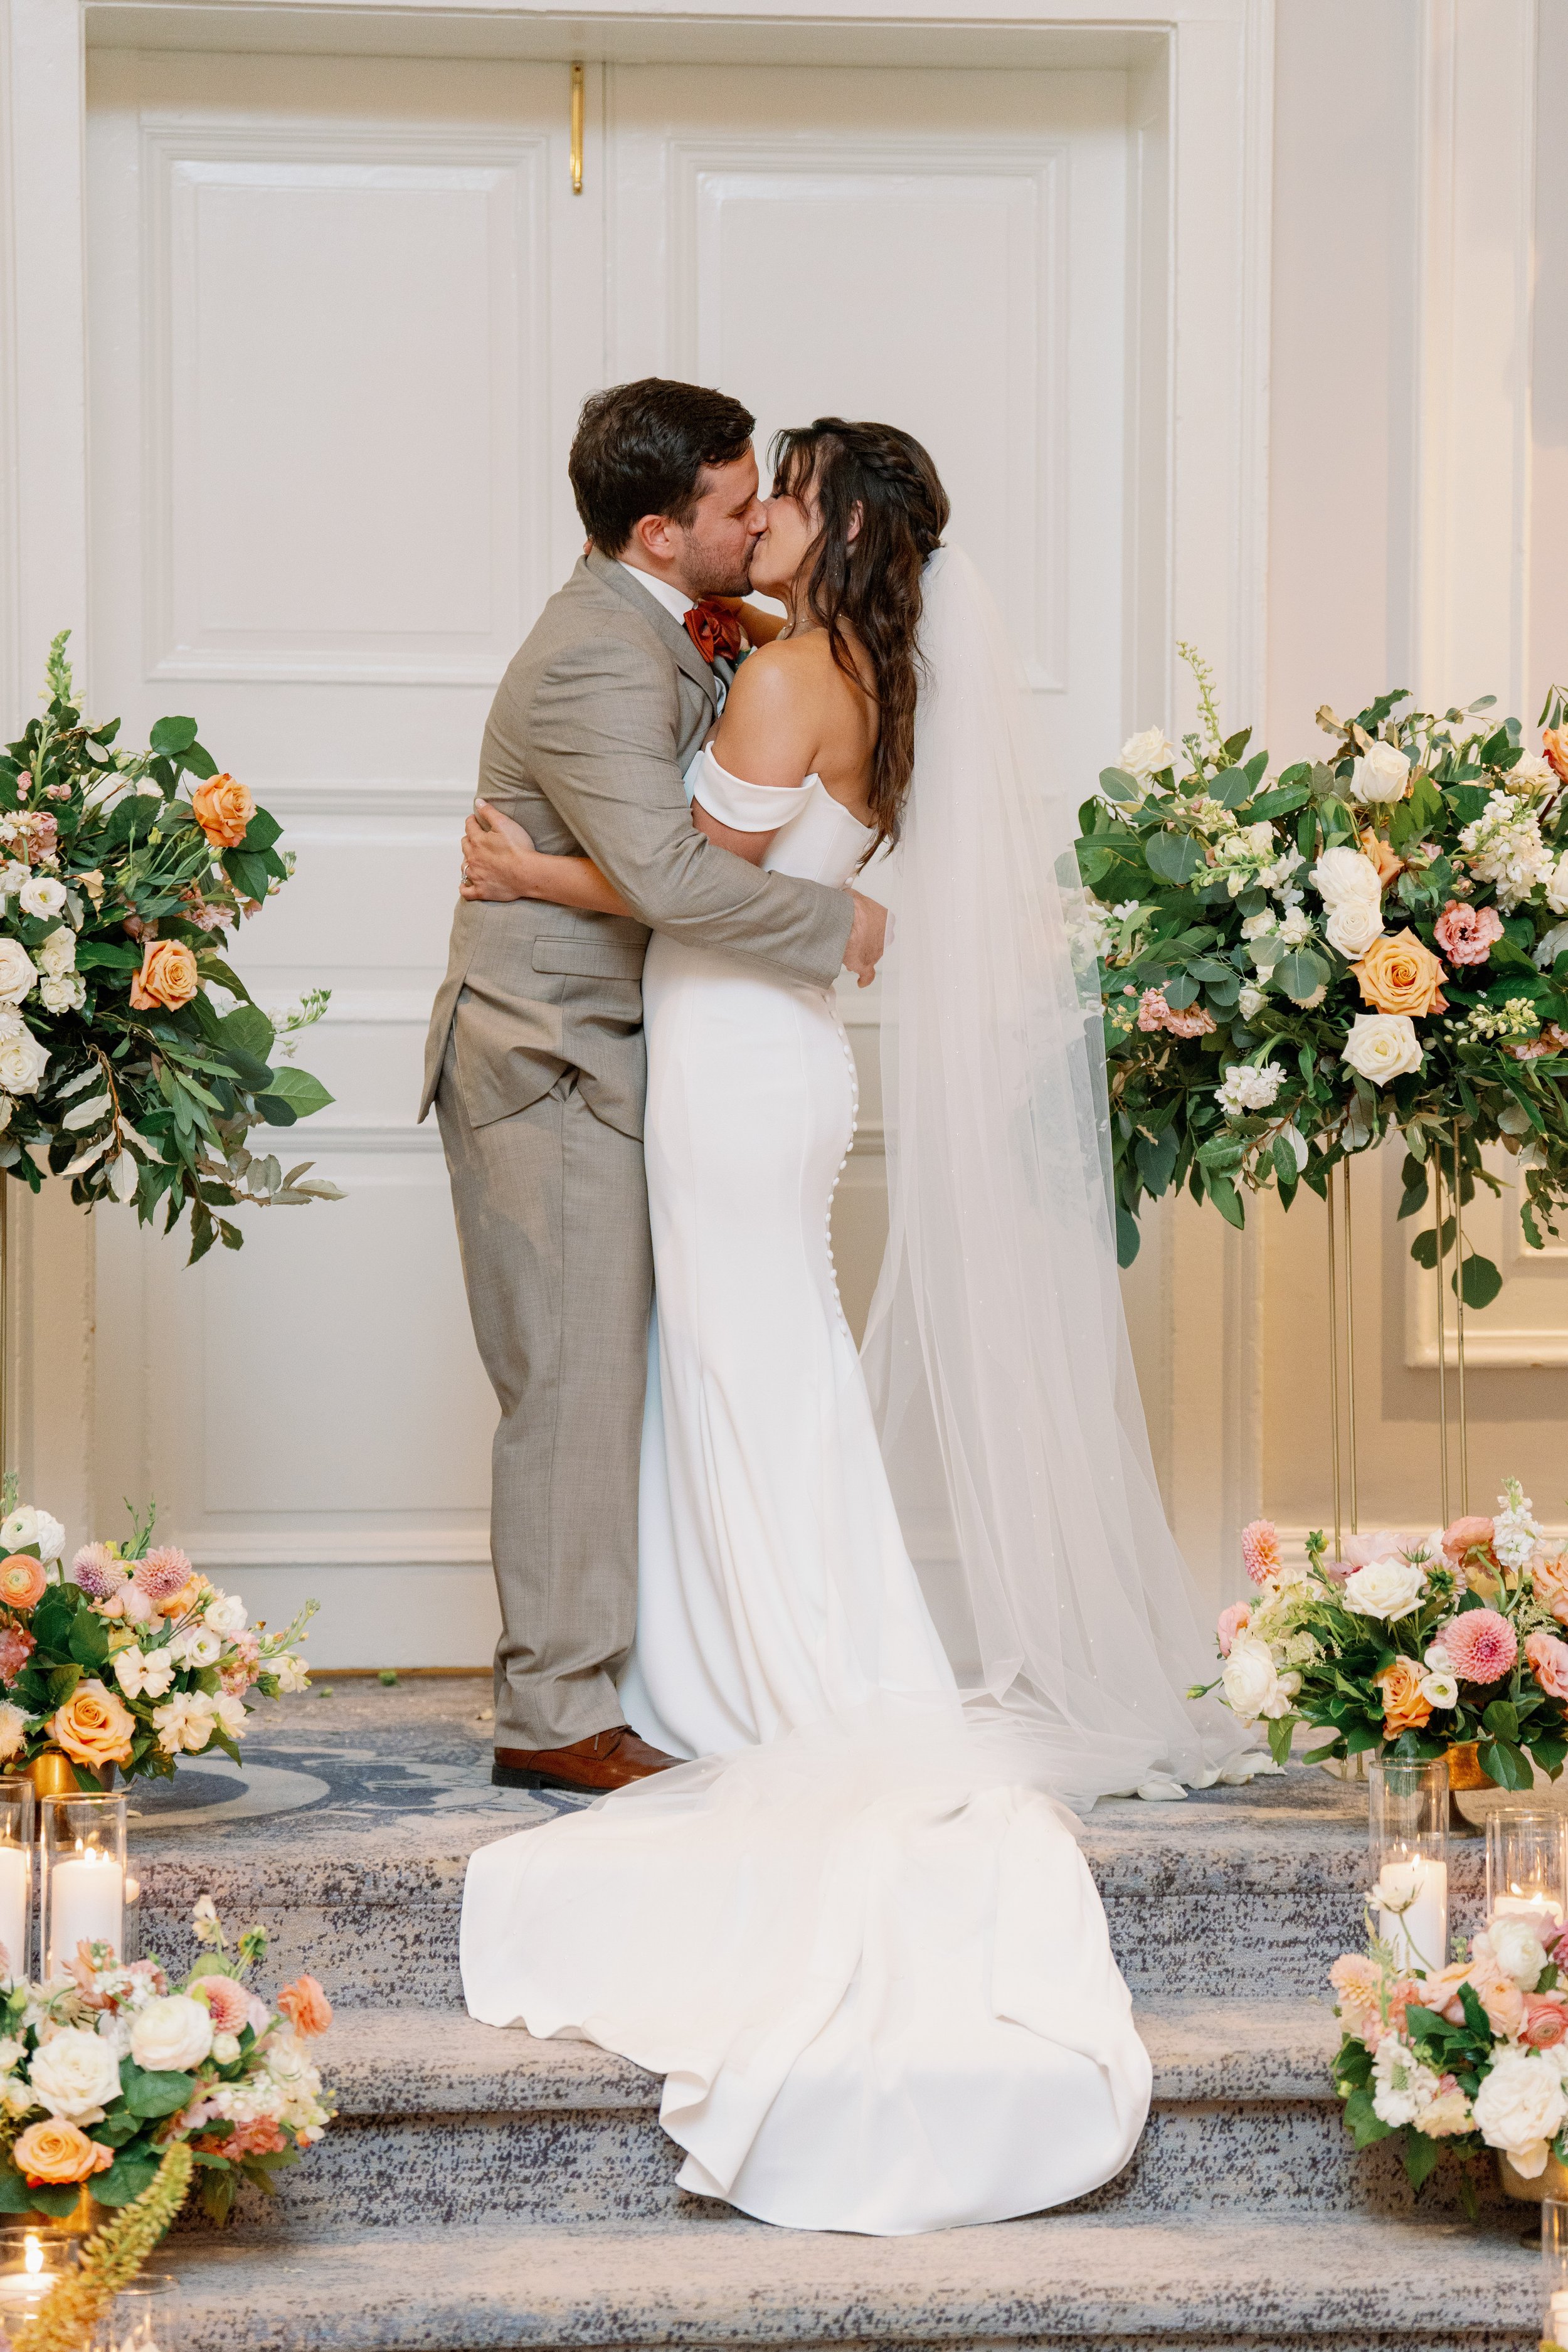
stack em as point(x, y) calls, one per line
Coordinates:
point(535, 1058)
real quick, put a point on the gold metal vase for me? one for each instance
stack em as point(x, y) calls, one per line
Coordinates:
point(1551, 2183)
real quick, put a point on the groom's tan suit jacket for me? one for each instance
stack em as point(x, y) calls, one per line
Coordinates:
point(535, 1062)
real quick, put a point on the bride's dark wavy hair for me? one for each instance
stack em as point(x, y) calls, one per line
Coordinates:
point(870, 583)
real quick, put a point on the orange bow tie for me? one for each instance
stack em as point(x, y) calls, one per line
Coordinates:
point(715, 631)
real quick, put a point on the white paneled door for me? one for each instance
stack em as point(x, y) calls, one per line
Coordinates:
point(342, 315)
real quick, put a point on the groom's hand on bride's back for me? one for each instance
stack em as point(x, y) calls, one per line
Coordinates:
point(494, 847)
point(868, 937)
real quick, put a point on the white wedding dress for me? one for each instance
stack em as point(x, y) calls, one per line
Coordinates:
point(857, 1937)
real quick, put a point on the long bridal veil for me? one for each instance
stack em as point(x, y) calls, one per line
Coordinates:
point(997, 1348)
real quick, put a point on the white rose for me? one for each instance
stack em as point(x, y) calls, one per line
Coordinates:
point(22, 1061)
point(139, 1674)
point(1520, 2108)
point(197, 1646)
point(1383, 1045)
point(1251, 1001)
point(12, 2053)
point(1385, 1589)
point(1552, 945)
point(18, 972)
point(42, 897)
point(226, 1613)
point(1380, 775)
point(56, 955)
point(1340, 873)
point(172, 2035)
point(1352, 925)
point(1145, 754)
point(68, 995)
point(75, 2075)
point(13, 1729)
point(14, 2095)
point(1251, 1682)
point(1516, 1948)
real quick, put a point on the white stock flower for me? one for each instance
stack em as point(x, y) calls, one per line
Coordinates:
point(41, 898)
point(1517, 1949)
point(1261, 926)
point(1352, 925)
point(1520, 2108)
point(13, 1729)
point(75, 2075)
point(23, 1061)
point(1385, 1589)
point(67, 994)
point(56, 955)
point(1383, 1045)
point(1403, 2085)
point(143, 1673)
point(184, 1721)
point(1295, 928)
point(1340, 873)
point(27, 1525)
point(18, 972)
point(1380, 775)
point(292, 1672)
point(172, 2034)
point(1504, 848)
point(1252, 1685)
point(1251, 1001)
point(1514, 1533)
point(226, 1613)
point(1144, 755)
point(197, 1646)
point(1246, 1088)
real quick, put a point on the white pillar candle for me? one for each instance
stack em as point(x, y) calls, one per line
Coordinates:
point(1543, 1911)
point(15, 1878)
point(1412, 1899)
point(87, 1904)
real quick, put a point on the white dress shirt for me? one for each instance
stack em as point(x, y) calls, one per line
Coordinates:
point(678, 604)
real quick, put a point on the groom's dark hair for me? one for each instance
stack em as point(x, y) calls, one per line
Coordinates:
point(640, 450)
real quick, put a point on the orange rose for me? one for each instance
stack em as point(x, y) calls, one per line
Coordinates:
point(93, 1727)
point(1555, 744)
point(52, 2150)
point(306, 2006)
point(1550, 1579)
point(1403, 1708)
point(223, 810)
point(1399, 975)
point(168, 976)
point(22, 1581)
point(1382, 856)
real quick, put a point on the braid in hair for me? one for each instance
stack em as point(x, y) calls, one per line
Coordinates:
point(870, 582)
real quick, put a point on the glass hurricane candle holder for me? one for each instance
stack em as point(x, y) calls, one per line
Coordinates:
point(83, 1856)
point(1407, 1814)
point(1554, 2270)
point(18, 1811)
point(143, 2318)
point(31, 2262)
point(1527, 1869)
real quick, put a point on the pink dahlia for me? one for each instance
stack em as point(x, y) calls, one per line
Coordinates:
point(163, 1573)
point(1481, 1645)
point(1260, 1550)
point(1467, 934)
point(97, 1571)
point(1549, 1663)
point(1232, 1622)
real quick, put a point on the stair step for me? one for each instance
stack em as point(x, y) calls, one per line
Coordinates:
point(1090, 2282)
point(461, 2123)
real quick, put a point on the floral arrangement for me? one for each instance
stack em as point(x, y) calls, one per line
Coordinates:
point(119, 874)
point(1293, 967)
point(129, 1657)
point(1409, 1644)
point(1468, 2057)
point(102, 2072)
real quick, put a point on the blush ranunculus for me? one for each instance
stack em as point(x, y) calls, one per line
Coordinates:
point(1481, 1645)
point(1405, 1705)
point(59, 2153)
point(306, 2006)
point(223, 809)
point(1545, 2023)
point(93, 1727)
point(22, 1581)
point(1467, 934)
point(1548, 1659)
point(1400, 975)
point(168, 977)
point(1232, 1622)
point(1473, 1534)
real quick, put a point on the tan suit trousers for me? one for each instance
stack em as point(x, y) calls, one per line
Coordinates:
point(559, 1267)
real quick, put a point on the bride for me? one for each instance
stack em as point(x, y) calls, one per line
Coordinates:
point(857, 1936)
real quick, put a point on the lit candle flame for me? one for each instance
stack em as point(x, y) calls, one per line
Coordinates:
point(35, 2253)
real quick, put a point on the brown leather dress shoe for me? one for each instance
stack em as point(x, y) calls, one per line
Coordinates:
point(608, 1761)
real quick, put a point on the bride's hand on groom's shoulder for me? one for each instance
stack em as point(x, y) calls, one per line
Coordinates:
point(868, 937)
point(495, 847)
